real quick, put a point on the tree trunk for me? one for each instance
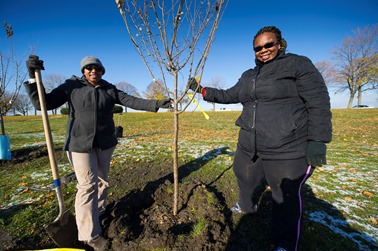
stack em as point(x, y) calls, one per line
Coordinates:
point(351, 98)
point(359, 95)
point(2, 123)
point(350, 103)
point(175, 158)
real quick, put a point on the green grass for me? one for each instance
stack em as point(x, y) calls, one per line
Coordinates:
point(346, 185)
point(198, 227)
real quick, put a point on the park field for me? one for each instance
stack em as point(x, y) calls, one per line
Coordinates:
point(340, 213)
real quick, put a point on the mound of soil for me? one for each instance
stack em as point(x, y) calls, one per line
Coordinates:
point(144, 220)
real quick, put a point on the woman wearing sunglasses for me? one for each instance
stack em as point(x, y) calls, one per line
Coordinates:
point(90, 137)
point(284, 127)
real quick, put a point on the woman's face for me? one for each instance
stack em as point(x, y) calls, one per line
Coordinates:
point(93, 74)
point(266, 47)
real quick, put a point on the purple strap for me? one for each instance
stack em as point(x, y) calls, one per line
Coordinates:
point(300, 205)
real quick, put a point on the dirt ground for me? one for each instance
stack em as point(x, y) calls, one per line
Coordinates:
point(143, 220)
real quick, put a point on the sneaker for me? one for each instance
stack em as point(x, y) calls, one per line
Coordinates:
point(279, 249)
point(237, 209)
point(99, 243)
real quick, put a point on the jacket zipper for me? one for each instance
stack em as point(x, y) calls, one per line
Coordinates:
point(95, 92)
point(254, 106)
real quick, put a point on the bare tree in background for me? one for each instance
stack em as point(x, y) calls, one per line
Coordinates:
point(6, 98)
point(128, 88)
point(174, 36)
point(12, 75)
point(52, 81)
point(156, 90)
point(218, 83)
point(23, 104)
point(357, 69)
point(328, 72)
point(185, 99)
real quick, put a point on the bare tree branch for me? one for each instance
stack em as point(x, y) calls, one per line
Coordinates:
point(175, 36)
point(12, 75)
point(356, 67)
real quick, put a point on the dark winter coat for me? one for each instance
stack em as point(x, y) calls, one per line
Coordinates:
point(90, 122)
point(285, 104)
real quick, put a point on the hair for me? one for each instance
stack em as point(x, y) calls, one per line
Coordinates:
point(271, 29)
point(283, 44)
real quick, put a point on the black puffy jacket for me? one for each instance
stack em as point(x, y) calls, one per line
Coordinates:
point(90, 122)
point(285, 104)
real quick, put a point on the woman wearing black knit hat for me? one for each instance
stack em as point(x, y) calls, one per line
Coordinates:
point(90, 137)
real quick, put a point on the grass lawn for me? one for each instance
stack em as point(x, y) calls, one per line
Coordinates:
point(345, 188)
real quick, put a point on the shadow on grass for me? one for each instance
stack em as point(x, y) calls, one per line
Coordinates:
point(323, 228)
point(8, 213)
point(28, 154)
point(7, 240)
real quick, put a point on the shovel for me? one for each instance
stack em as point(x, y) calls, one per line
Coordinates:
point(63, 231)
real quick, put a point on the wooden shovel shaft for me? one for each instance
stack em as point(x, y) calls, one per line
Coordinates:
point(49, 141)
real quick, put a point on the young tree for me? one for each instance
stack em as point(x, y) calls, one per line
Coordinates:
point(12, 75)
point(356, 63)
point(175, 36)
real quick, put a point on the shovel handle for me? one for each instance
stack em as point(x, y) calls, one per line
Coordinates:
point(46, 125)
point(49, 141)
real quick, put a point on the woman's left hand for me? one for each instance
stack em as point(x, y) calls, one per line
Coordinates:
point(164, 103)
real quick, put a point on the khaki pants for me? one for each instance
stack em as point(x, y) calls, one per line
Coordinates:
point(91, 171)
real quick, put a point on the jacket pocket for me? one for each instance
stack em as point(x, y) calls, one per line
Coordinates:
point(275, 129)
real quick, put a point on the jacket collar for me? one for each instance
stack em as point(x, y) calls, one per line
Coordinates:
point(84, 81)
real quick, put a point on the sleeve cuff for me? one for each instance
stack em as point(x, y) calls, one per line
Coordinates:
point(203, 92)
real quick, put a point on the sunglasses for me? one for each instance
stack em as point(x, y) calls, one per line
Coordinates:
point(93, 67)
point(266, 46)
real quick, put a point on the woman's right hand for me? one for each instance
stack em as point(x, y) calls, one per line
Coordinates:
point(33, 63)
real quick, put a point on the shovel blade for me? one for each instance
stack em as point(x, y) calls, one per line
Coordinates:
point(64, 231)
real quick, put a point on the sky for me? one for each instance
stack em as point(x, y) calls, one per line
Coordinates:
point(63, 32)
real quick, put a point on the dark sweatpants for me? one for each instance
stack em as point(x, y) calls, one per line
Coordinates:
point(286, 179)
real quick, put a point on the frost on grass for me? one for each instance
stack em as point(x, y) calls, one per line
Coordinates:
point(130, 148)
point(343, 185)
point(36, 184)
point(39, 140)
point(338, 225)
